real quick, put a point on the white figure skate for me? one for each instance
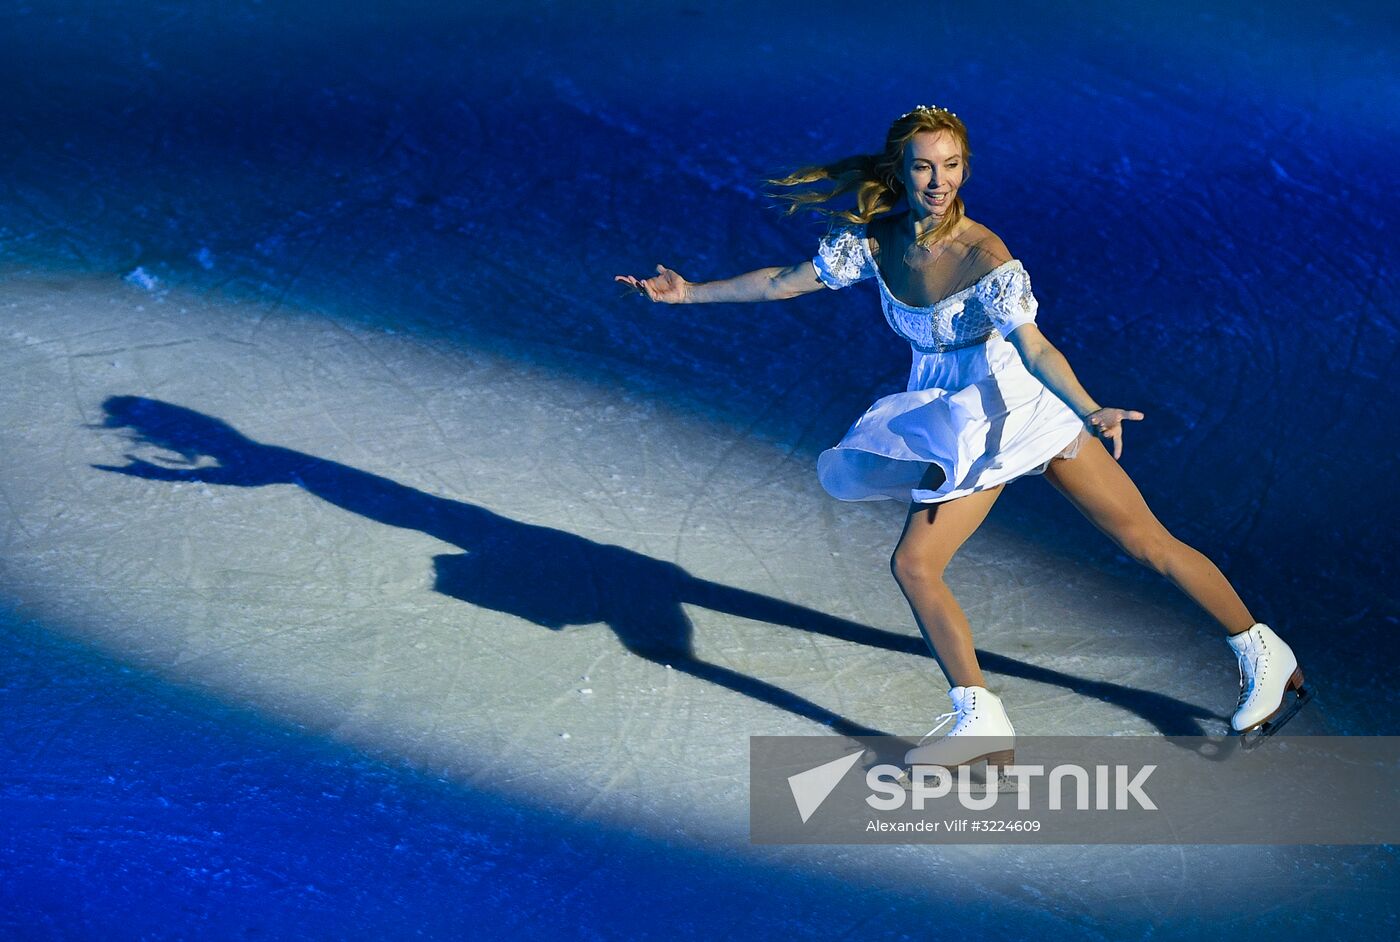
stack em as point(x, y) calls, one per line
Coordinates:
point(1268, 670)
point(982, 732)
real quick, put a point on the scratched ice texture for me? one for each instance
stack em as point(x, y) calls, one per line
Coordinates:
point(374, 567)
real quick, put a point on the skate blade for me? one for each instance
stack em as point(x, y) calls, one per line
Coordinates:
point(1254, 737)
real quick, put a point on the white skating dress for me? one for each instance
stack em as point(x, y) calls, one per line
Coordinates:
point(971, 406)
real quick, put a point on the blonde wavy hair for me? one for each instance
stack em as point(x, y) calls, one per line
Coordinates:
point(875, 177)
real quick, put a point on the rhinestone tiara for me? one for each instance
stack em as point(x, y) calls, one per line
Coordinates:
point(934, 109)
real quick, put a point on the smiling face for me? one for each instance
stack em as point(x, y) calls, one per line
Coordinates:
point(934, 169)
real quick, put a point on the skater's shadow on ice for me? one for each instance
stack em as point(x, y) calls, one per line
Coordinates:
point(551, 577)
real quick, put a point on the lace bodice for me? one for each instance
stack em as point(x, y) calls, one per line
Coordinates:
point(999, 302)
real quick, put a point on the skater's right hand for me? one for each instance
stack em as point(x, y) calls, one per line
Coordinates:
point(666, 286)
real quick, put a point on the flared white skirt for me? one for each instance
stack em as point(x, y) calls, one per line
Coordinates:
point(976, 413)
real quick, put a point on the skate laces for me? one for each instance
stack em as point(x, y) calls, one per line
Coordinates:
point(943, 719)
point(1244, 688)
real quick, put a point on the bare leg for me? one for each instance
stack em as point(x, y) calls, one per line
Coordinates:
point(1099, 487)
point(932, 534)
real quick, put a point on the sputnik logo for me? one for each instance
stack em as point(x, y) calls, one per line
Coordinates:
point(814, 786)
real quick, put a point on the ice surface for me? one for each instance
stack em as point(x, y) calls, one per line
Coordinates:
point(500, 569)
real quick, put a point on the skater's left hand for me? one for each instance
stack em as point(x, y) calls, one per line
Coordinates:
point(1108, 424)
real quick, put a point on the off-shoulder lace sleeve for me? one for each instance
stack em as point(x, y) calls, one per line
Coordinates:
point(842, 258)
point(1006, 295)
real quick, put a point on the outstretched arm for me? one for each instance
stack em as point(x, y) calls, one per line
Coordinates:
point(764, 284)
point(1047, 364)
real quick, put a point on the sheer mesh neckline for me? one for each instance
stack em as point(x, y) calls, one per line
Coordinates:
point(956, 295)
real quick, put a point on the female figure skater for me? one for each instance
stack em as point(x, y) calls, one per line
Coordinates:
point(989, 400)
